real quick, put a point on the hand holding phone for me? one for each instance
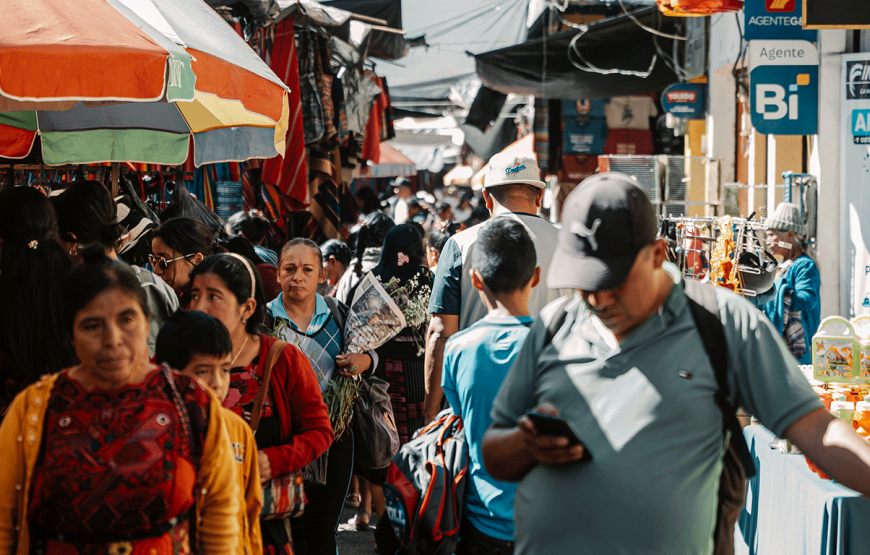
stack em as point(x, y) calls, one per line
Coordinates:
point(553, 426)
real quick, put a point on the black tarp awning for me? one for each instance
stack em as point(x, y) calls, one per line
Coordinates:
point(384, 45)
point(613, 43)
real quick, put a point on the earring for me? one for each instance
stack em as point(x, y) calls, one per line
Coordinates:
point(244, 320)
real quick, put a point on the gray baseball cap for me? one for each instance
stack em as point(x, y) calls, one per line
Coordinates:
point(606, 221)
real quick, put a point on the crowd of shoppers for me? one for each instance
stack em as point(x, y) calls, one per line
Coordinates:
point(150, 410)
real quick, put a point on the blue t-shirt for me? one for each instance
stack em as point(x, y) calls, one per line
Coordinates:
point(476, 361)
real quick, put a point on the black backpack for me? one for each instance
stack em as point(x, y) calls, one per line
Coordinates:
point(738, 463)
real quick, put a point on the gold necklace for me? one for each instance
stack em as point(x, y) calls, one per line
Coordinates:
point(247, 337)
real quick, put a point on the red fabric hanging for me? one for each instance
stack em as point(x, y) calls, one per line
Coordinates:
point(372, 143)
point(290, 172)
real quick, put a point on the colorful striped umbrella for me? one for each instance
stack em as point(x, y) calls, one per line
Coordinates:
point(134, 80)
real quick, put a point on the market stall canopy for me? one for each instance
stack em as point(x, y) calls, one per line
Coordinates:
point(451, 28)
point(385, 43)
point(392, 164)
point(199, 80)
point(460, 175)
point(618, 47)
point(522, 147)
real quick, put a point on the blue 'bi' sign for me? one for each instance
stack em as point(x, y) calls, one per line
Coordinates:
point(784, 86)
point(785, 99)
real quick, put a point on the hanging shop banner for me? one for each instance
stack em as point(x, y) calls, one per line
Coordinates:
point(784, 84)
point(841, 14)
point(855, 185)
point(685, 100)
point(775, 19)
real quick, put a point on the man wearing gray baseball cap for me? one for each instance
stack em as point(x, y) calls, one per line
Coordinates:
point(635, 468)
point(512, 189)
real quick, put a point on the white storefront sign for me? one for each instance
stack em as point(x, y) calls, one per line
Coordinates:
point(855, 184)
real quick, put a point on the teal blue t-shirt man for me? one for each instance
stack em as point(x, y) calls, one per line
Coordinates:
point(476, 361)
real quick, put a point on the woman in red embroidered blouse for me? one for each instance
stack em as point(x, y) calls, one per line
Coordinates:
point(125, 445)
point(294, 427)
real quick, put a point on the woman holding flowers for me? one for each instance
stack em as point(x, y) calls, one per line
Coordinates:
point(315, 325)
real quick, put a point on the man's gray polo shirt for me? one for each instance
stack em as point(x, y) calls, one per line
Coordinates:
point(645, 409)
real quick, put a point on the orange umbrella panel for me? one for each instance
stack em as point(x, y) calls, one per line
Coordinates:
point(99, 51)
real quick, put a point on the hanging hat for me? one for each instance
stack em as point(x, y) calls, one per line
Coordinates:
point(505, 168)
point(787, 217)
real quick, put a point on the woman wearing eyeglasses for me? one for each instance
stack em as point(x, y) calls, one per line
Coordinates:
point(178, 246)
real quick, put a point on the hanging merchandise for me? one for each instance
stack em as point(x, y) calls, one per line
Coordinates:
point(290, 172)
point(324, 183)
point(698, 8)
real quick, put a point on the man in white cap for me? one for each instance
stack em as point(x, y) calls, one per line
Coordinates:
point(628, 372)
point(512, 188)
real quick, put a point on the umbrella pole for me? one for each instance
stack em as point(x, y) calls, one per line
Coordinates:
point(116, 177)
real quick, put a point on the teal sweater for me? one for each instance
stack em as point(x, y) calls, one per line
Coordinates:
point(802, 277)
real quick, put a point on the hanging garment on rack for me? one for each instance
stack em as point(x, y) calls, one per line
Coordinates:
point(325, 181)
point(372, 144)
point(290, 172)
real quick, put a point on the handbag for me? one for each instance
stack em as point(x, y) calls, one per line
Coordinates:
point(283, 496)
point(374, 426)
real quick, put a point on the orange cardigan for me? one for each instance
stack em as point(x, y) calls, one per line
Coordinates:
point(20, 438)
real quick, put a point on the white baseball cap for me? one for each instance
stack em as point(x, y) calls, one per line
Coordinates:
point(506, 168)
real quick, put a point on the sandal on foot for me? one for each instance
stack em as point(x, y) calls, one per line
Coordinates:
point(353, 500)
point(362, 521)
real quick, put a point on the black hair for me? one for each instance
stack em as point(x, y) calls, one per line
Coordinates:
point(303, 241)
point(237, 278)
point(405, 242)
point(522, 191)
point(33, 340)
point(438, 237)
point(186, 236)
point(371, 234)
point(188, 333)
point(413, 203)
point(504, 254)
point(86, 215)
point(337, 249)
point(95, 276)
point(239, 245)
point(369, 199)
point(442, 206)
point(252, 225)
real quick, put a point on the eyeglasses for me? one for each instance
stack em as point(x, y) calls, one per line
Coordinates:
point(157, 260)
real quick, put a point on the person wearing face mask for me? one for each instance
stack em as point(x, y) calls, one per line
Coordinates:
point(795, 311)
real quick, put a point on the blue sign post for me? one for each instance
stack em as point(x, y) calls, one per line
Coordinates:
point(775, 19)
point(784, 81)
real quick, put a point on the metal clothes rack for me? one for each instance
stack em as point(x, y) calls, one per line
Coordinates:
point(692, 241)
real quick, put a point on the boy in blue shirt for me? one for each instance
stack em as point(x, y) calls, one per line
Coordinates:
point(476, 360)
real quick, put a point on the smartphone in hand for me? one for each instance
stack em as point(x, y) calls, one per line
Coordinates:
point(555, 426)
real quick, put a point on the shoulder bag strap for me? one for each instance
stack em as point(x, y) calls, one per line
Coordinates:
point(338, 313)
point(268, 364)
point(705, 312)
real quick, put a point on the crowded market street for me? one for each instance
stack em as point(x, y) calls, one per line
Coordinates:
point(465, 277)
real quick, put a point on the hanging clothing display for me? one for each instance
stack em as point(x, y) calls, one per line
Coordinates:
point(290, 172)
point(324, 183)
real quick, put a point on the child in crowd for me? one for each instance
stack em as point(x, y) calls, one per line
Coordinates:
point(199, 345)
point(476, 360)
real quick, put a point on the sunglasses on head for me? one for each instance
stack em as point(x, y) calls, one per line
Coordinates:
point(157, 260)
